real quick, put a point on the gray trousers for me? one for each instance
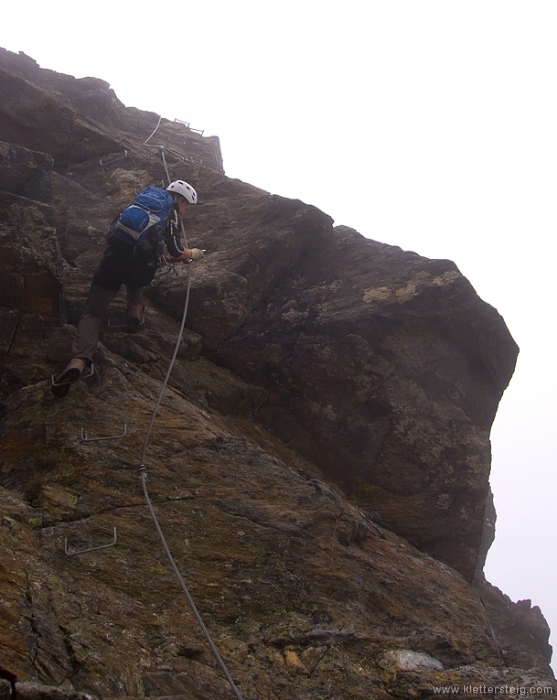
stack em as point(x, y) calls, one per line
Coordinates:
point(89, 325)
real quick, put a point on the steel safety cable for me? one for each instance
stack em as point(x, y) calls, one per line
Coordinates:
point(159, 146)
point(143, 477)
point(168, 372)
point(184, 588)
point(153, 132)
point(165, 165)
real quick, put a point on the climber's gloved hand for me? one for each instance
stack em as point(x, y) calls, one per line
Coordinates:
point(197, 253)
point(187, 256)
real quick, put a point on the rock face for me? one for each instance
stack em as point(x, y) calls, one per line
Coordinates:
point(320, 459)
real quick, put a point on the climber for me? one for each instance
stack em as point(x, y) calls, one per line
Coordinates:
point(131, 257)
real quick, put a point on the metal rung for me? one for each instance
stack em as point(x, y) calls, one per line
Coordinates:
point(108, 437)
point(90, 549)
point(123, 325)
point(108, 162)
point(88, 372)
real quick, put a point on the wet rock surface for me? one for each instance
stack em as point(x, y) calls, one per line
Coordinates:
point(320, 460)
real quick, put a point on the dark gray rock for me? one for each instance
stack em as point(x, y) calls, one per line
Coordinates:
point(320, 460)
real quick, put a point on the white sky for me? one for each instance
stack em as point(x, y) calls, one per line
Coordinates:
point(427, 124)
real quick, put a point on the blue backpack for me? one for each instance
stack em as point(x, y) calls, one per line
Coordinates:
point(150, 208)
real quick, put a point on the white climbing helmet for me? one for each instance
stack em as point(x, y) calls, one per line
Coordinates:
point(187, 191)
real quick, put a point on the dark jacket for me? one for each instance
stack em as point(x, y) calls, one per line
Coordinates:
point(136, 264)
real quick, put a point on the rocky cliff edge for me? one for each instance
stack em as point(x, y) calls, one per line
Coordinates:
point(319, 464)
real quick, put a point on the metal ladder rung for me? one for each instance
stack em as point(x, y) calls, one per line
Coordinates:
point(85, 438)
point(88, 372)
point(114, 160)
point(123, 325)
point(90, 549)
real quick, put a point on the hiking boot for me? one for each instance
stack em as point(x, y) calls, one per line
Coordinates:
point(74, 370)
point(135, 317)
